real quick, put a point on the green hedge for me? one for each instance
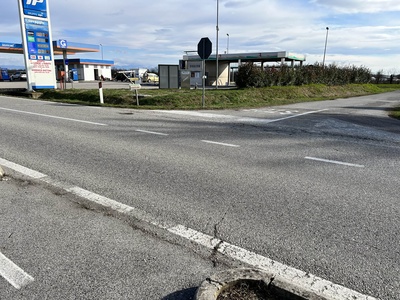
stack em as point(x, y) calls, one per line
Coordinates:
point(251, 75)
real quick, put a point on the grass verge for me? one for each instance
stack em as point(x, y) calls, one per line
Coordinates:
point(217, 99)
point(395, 113)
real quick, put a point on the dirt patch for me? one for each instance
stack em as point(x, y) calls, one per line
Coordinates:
point(255, 290)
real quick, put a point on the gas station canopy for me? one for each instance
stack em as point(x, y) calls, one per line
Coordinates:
point(71, 48)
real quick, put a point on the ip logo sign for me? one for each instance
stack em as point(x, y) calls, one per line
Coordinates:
point(33, 2)
point(35, 8)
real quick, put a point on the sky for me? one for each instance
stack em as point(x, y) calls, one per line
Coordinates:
point(145, 34)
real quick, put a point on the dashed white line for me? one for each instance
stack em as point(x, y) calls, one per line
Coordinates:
point(17, 277)
point(53, 117)
point(221, 144)
point(151, 132)
point(334, 162)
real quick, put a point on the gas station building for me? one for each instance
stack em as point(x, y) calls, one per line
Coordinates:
point(77, 69)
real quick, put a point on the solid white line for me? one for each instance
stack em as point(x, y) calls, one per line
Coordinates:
point(195, 114)
point(334, 162)
point(236, 118)
point(299, 115)
point(17, 277)
point(53, 117)
point(152, 132)
point(104, 201)
point(221, 144)
point(323, 288)
point(21, 169)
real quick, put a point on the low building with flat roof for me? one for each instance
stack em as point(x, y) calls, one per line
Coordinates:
point(87, 69)
point(193, 63)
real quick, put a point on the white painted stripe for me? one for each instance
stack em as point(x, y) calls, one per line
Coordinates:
point(334, 162)
point(152, 132)
point(21, 169)
point(53, 117)
point(104, 201)
point(195, 114)
point(300, 278)
point(312, 283)
point(221, 144)
point(17, 277)
point(115, 206)
point(235, 118)
point(296, 116)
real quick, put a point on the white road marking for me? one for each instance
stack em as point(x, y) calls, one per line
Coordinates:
point(17, 277)
point(53, 117)
point(221, 144)
point(306, 281)
point(20, 169)
point(296, 116)
point(323, 288)
point(152, 132)
point(194, 114)
point(334, 162)
point(237, 118)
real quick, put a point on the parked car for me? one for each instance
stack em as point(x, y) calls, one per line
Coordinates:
point(18, 76)
point(150, 78)
point(126, 76)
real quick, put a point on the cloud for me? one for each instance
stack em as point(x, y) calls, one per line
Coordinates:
point(359, 6)
point(136, 33)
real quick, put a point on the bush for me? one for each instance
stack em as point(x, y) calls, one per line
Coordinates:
point(251, 75)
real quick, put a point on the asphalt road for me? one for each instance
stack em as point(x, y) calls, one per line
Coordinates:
point(312, 185)
point(70, 252)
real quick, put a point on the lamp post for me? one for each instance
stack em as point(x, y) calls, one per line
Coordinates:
point(227, 45)
point(326, 42)
point(217, 28)
point(102, 57)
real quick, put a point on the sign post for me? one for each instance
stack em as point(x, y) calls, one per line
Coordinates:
point(37, 44)
point(204, 49)
point(63, 44)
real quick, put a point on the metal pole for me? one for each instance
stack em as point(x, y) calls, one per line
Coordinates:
point(217, 73)
point(326, 42)
point(227, 46)
point(102, 57)
point(203, 78)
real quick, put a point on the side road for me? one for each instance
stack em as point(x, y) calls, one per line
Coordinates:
point(65, 251)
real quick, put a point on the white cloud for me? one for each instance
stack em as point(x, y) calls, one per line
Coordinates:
point(359, 6)
point(136, 33)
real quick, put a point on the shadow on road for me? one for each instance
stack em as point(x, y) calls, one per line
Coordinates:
point(187, 294)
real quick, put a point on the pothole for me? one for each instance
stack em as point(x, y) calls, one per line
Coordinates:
point(254, 290)
point(250, 284)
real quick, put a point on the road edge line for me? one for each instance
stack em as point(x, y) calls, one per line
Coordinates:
point(305, 281)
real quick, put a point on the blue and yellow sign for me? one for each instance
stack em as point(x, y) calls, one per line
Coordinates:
point(35, 8)
point(38, 48)
point(37, 35)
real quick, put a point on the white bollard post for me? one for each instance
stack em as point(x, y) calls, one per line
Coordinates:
point(101, 92)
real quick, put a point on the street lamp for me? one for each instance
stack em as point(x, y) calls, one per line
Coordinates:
point(326, 42)
point(217, 28)
point(227, 45)
point(102, 57)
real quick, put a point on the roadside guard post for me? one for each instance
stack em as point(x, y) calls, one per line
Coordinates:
point(135, 87)
point(101, 92)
